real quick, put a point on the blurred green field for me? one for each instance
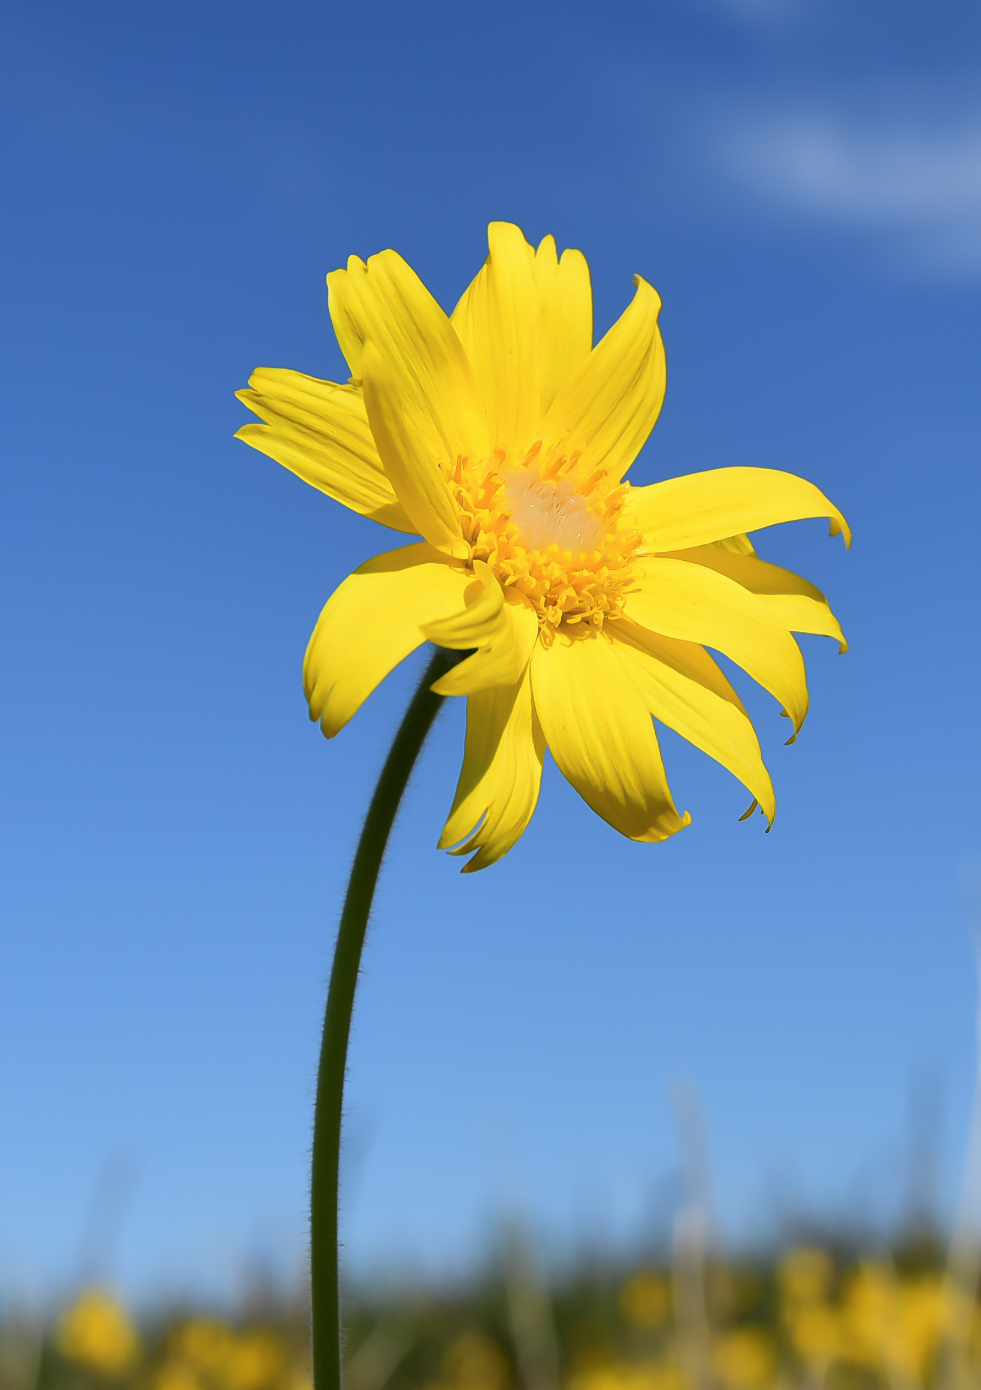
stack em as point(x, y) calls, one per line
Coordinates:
point(814, 1318)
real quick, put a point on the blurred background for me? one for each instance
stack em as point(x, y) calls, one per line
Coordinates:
point(801, 180)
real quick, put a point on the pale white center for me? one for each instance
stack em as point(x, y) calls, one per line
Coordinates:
point(547, 513)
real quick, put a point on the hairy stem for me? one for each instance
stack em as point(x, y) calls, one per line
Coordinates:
point(325, 1291)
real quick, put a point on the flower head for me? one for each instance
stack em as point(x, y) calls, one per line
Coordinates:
point(98, 1334)
point(502, 437)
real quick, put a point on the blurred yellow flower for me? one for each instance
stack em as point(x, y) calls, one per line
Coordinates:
point(925, 1317)
point(805, 1275)
point(645, 1301)
point(97, 1334)
point(744, 1359)
point(258, 1361)
point(176, 1375)
point(502, 437)
point(474, 1361)
point(814, 1333)
point(869, 1316)
point(662, 1374)
point(206, 1342)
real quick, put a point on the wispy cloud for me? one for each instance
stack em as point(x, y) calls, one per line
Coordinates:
point(916, 185)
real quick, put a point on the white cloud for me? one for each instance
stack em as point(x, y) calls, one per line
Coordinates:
point(920, 187)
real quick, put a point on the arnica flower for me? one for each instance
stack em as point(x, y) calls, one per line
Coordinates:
point(97, 1333)
point(502, 437)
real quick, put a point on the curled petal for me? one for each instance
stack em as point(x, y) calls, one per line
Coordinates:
point(503, 629)
point(723, 502)
point(600, 734)
point(501, 774)
point(684, 688)
point(738, 545)
point(479, 621)
point(791, 599)
point(695, 604)
point(371, 622)
point(320, 432)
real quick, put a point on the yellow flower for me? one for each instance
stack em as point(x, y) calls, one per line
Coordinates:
point(805, 1276)
point(645, 1301)
point(176, 1376)
point(745, 1359)
point(925, 1317)
point(97, 1334)
point(473, 1362)
point(251, 1360)
point(661, 1374)
point(869, 1316)
point(205, 1342)
point(258, 1362)
point(814, 1332)
point(501, 436)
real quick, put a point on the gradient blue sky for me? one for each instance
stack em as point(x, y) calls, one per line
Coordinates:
point(802, 182)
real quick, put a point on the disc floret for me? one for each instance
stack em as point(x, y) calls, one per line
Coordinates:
point(550, 529)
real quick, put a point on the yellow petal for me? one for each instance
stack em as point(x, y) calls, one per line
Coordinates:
point(386, 302)
point(320, 432)
point(502, 627)
point(342, 305)
point(739, 545)
point(696, 604)
point(501, 773)
point(371, 622)
point(565, 299)
point(792, 600)
point(497, 322)
point(608, 407)
point(399, 424)
point(703, 507)
point(684, 688)
point(800, 613)
point(479, 621)
point(601, 736)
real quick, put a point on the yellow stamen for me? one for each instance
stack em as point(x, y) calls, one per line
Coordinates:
point(550, 533)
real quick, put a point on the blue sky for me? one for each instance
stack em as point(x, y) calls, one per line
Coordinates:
point(802, 182)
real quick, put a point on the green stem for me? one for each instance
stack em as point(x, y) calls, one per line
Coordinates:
point(325, 1292)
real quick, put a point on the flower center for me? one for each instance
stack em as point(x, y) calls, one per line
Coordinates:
point(550, 513)
point(551, 532)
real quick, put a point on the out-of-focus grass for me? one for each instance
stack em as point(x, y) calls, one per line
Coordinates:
point(813, 1319)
